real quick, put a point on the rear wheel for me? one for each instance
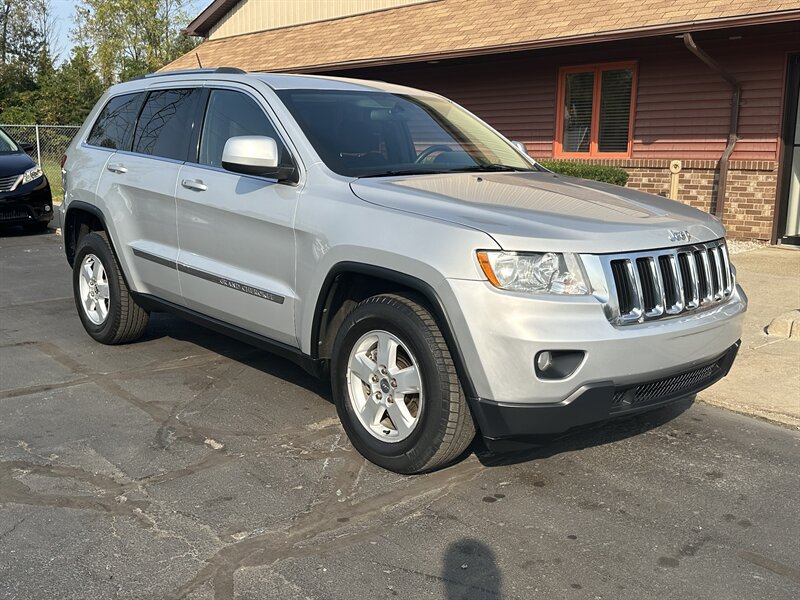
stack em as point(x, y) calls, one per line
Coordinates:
point(106, 308)
point(396, 388)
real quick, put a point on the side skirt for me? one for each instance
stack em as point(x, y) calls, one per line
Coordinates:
point(310, 365)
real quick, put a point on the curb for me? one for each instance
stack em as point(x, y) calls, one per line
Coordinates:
point(775, 418)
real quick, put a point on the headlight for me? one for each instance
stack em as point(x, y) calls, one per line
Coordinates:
point(31, 174)
point(547, 273)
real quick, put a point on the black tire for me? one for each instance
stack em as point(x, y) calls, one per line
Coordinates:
point(445, 427)
point(126, 320)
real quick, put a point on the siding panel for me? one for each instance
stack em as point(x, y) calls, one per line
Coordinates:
point(259, 15)
point(682, 106)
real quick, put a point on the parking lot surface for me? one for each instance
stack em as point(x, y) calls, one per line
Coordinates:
point(189, 465)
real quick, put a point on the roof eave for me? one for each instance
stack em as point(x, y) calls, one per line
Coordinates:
point(618, 35)
point(211, 15)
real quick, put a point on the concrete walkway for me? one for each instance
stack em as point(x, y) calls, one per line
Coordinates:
point(765, 380)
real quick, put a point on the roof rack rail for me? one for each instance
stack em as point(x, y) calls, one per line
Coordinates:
point(223, 70)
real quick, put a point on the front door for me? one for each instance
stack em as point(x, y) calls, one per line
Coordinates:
point(237, 252)
point(789, 213)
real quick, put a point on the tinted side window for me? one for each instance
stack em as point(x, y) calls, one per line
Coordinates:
point(230, 114)
point(114, 125)
point(165, 125)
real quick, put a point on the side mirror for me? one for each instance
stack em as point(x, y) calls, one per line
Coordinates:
point(255, 155)
point(27, 147)
point(524, 151)
point(520, 146)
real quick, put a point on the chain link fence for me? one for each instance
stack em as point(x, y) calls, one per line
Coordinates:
point(49, 144)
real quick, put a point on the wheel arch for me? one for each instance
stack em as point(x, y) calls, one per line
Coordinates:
point(351, 282)
point(80, 218)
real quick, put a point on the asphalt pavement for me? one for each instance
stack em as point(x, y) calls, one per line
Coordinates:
point(189, 465)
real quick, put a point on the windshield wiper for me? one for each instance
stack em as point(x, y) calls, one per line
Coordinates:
point(405, 172)
point(486, 168)
point(489, 168)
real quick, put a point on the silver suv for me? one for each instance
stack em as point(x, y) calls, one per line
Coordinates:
point(386, 237)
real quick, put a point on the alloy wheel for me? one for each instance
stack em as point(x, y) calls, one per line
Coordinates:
point(384, 386)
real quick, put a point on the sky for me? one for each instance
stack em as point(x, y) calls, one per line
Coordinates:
point(64, 15)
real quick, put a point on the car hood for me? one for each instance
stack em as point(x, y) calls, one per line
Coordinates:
point(14, 163)
point(544, 211)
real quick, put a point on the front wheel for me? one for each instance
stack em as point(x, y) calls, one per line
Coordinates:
point(396, 389)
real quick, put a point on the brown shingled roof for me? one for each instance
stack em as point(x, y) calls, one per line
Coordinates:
point(452, 28)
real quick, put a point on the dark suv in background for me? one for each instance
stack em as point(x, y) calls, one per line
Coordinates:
point(25, 197)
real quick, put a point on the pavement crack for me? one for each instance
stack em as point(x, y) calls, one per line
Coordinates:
point(13, 490)
point(13, 528)
point(439, 579)
point(194, 553)
point(771, 565)
point(306, 536)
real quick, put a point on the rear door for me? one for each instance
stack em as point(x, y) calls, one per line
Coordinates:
point(138, 187)
point(237, 254)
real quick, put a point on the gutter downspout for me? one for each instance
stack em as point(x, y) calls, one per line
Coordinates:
point(736, 98)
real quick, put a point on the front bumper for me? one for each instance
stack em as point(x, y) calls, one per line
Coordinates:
point(501, 334)
point(31, 203)
point(597, 402)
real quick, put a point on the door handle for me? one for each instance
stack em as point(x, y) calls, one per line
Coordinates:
point(194, 184)
point(117, 168)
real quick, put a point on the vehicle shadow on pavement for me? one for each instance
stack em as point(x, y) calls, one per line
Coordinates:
point(588, 437)
point(10, 231)
point(470, 570)
point(163, 325)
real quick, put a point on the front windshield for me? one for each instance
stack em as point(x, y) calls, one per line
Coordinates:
point(6, 143)
point(371, 134)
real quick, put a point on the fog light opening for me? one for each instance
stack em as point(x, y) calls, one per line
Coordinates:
point(557, 364)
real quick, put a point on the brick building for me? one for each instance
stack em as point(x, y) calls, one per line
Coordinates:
point(696, 100)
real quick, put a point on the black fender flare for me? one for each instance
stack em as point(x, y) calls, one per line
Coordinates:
point(417, 285)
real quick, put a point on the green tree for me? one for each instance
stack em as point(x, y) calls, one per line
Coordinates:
point(66, 95)
point(131, 37)
point(26, 33)
point(21, 33)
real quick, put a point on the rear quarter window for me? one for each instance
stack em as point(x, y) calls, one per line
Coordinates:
point(114, 126)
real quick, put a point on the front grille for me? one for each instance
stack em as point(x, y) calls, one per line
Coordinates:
point(12, 214)
point(659, 284)
point(8, 183)
point(668, 388)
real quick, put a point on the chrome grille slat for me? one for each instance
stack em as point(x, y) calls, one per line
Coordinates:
point(676, 288)
point(693, 277)
point(719, 289)
point(705, 277)
point(636, 297)
point(9, 182)
point(727, 270)
point(661, 297)
point(659, 284)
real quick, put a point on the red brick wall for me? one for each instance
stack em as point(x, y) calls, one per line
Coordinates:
point(752, 186)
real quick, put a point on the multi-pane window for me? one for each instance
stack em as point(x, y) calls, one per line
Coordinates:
point(114, 126)
point(595, 108)
point(165, 124)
